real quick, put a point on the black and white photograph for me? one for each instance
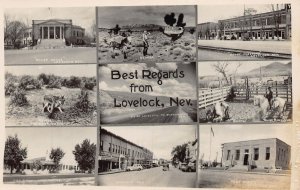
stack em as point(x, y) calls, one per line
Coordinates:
point(44, 35)
point(245, 92)
point(147, 33)
point(245, 157)
point(43, 156)
point(148, 93)
point(244, 32)
point(50, 95)
point(156, 156)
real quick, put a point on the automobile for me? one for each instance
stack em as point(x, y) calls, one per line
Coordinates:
point(134, 167)
point(154, 165)
point(182, 166)
point(146, 166)
point(191, 167)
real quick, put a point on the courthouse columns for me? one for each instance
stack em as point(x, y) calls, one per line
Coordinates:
point(48, 32)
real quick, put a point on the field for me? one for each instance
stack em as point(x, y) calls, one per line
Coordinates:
point(34, 115)
point(160, 48)
point(245, 111)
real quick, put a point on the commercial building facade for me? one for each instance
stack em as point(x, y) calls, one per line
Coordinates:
point(272, 25)
point(262, 153)
point(119, 153)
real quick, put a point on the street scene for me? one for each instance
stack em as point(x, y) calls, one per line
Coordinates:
point(245, 92)
point(148, 93)
point(54, 161)
point(244, 32)
point(147, 34)
point(150, 157)
point(50, 95)
point(49, 35)
point(245, 157)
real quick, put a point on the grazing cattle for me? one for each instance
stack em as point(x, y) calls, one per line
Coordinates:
point(119, 42)
point(279, 104)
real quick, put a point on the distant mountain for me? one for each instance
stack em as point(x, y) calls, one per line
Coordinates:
point(272, 69)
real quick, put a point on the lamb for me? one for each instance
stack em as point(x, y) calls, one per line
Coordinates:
point(263, 103)
point(279, 104)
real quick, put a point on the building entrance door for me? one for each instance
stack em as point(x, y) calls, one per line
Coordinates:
point(246, 157)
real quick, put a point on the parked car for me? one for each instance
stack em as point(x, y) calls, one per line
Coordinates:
point(154, 165)
point(146, 166)
point(183, 166)
point(135, 167)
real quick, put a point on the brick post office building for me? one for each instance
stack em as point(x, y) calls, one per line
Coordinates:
point(118, 153)
point(262, 153)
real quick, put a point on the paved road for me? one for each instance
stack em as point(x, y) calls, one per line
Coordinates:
point(172, 114)
point(43, 56)
point(150, 177)
point(266, 46)
point(225, 179)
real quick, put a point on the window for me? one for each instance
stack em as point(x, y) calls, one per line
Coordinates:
point(268, 153)
point(256, 153)
point(237, 154)
point(109, 149)
point(228, 154)
point(101, 145)
point(113, 148)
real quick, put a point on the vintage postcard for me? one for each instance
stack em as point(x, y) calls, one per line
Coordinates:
point(146, 34)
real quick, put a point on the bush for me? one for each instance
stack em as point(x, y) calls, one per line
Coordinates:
point(73, 82)
point(54, 84)
point(18, 98)
point(83, 101)
point(27, 80)
point(89, 85)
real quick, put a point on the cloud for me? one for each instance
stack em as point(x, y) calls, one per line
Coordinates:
point(103, 86)
point(166, 66)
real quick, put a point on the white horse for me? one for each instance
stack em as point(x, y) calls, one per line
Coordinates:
point(262, 103)
point(279, 104)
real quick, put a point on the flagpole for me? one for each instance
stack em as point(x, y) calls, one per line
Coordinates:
point(210, 145)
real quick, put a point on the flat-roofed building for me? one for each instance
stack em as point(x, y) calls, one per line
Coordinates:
point(261, 153)
point(118, 153)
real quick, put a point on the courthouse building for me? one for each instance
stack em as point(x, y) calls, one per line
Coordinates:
point(53, 33)
point(118, 153)
point(262, 153)
point(262, 26)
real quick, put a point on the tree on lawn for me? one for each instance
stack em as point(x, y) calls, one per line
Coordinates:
point(178, 153)
point(14, 153)
point(56, 155)
point(85, 155)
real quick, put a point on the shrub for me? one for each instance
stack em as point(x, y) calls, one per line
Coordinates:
point(89, 85)
point(83, 101)
point(73, 82)
point(54, 84)
point(18, 98)
point(177, 51)
point(29, 80)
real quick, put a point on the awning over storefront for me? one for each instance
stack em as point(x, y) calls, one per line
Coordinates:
point(108, 158)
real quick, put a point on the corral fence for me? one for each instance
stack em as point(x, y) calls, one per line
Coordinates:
point(210, 96)
point(280, 89)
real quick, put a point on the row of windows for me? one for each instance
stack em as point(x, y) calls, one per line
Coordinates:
point(246, 151)
point(122, 150)
point(78, 33)
point(256, 22)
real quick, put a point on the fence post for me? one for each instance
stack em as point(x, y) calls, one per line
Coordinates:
point(276, 88)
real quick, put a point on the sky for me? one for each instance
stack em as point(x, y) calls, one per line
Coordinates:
point(181, 87)
point(207, 13)
point(82, 16)
point(206, 68)
point(39, 140)
point(110, 16)
point(233, 133)
point(158, 139)
point(88, 70)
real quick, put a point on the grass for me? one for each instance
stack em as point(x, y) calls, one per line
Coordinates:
point(33, 115)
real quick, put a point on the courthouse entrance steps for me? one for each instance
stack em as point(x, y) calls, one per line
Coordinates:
point(51, 44)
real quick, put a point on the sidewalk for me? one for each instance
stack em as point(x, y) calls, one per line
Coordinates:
point(259, 172)
point(284, 47)
point(111, 172)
